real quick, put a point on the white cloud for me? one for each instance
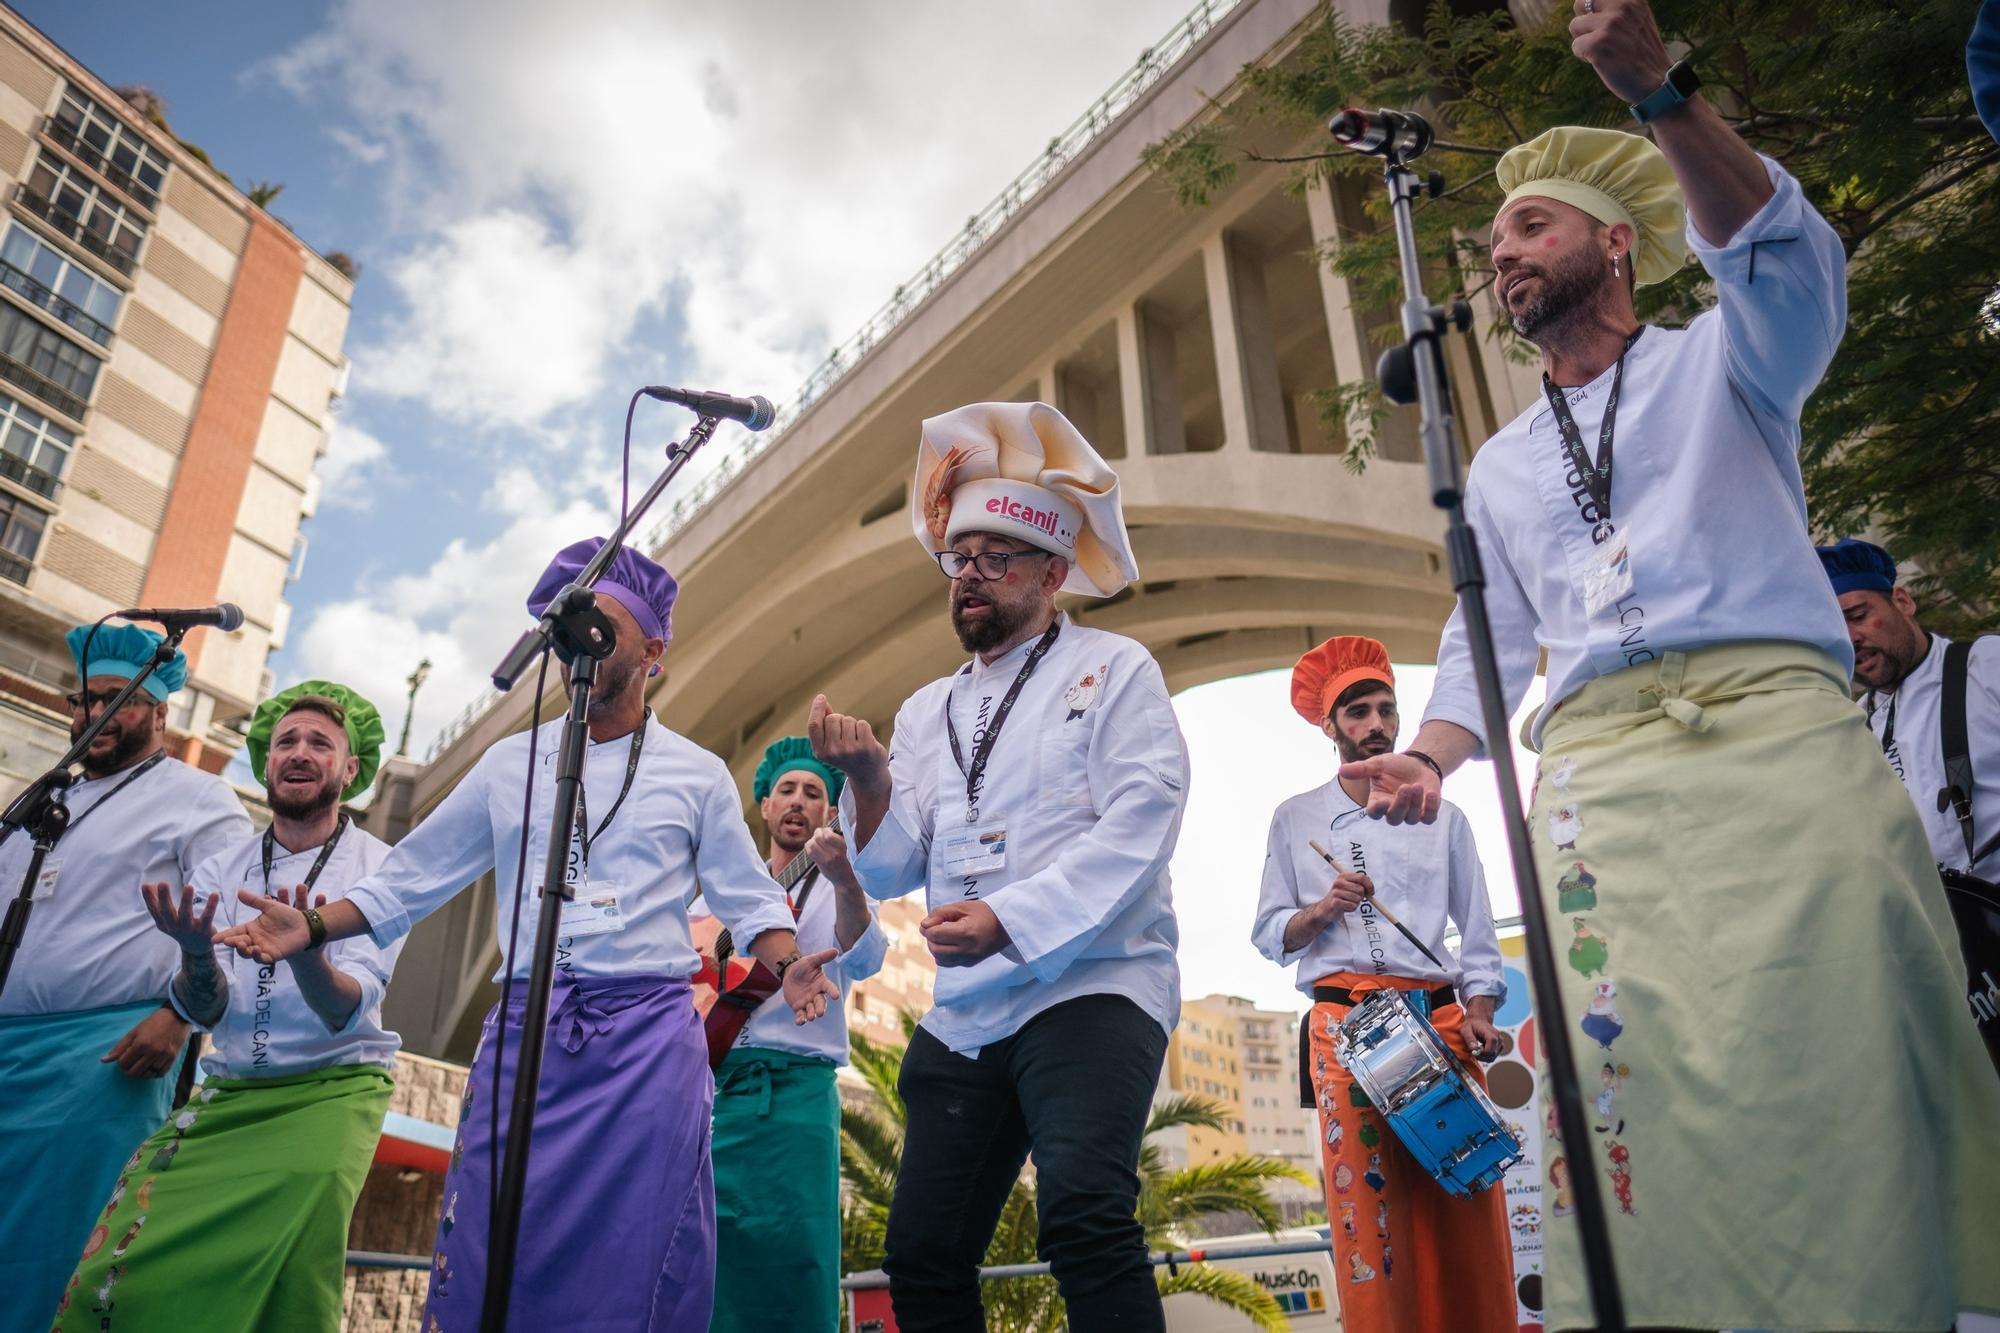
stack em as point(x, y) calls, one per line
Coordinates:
point(354, 468)
point(462, 613)
point(765, 172)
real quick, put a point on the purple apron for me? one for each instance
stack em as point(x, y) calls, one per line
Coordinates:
point(618, 1224)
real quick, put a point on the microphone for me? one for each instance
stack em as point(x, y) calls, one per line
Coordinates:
point(226, 617)
point(756, 413)
point(1401, 135)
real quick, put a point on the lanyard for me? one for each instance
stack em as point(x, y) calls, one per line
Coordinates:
point(583, 805)
point(129, 779)
point(1888, 723)
point(1596, 476)
point(975, 777)
point(319, 862)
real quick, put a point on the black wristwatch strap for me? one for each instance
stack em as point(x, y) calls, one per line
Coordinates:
point(315, 929)
point(784, 964)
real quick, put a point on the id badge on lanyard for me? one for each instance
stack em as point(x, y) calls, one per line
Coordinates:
point(1607, 575)
point(1607, 572)
point(976, 849)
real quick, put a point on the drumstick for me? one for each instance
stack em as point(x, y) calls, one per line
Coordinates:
point(1384, 912)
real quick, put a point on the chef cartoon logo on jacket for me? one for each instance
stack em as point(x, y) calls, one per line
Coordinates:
point(1083, 694)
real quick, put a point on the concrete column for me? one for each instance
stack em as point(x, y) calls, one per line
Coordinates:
point(1246, 357)
point(1132, 393)
point(1351, 360)
point(1166, 430)
point(1048, 385)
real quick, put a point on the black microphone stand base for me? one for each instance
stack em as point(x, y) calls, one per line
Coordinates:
point(1415, 373)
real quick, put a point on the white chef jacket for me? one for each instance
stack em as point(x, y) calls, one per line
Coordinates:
point(1089, 775)
point(680, 824)
point(1916, 750)
point(1706, 486)
point(1427, 874)
point(93, 944)
point(772, 1026)
point(268, 1028)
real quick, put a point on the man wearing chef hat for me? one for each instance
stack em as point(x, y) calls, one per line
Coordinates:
point(1762, 931)
point(1037, 793)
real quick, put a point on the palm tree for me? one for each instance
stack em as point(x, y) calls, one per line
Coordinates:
point(871, 1144)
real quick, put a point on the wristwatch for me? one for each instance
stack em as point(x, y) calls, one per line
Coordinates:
point(1680, 85)
point(315, 930)
point(785, 963)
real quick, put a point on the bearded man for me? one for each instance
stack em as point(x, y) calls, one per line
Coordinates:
point(777, 1111)
point(618, 1216)
point(1036, 793)
point(233, 1216)
point(1326, 921)
point(1764, 895)
point(89, 1039)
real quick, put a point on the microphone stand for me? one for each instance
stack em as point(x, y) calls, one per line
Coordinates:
point(583, 633)
point(41, 809)
point(1415, 373)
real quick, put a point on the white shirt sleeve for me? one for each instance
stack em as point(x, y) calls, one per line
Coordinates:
point(369, 965)
point(216, 823)
point(433, 863)
point(1781, 291)
point(896, 858)
point(735, 880)
point(1278, 900)
point(1138, 773)
point(1478, 943)
point(1455, 690)
point(864, 958)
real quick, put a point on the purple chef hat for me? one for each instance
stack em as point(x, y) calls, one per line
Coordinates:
point(640, 585)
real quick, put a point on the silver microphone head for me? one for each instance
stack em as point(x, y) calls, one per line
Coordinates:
point(764, 414)
point(229, 617)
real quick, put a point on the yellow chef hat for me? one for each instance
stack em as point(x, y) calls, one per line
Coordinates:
point(1614, 177)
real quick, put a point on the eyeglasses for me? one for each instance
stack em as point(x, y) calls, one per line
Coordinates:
point(992, 565)
point(98, 699)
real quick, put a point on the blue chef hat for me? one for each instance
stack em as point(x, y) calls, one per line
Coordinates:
point(640, 585)
point(124, 650)
point(1853, 565)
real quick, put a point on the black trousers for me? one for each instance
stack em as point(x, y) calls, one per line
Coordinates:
point(1075, 1086)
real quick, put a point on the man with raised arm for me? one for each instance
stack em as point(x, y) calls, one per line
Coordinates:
point(1036, 792)
point(1764, 903)
point(233, 1216)
point(89, 1041)
point(618, 1219)
point(777, 1111)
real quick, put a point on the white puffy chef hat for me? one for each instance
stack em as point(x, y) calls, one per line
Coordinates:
point(1022, 470)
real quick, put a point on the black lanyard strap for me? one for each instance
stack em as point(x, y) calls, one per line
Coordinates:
point(583, 804)
point(975, 776)
point(319, 862)
point(1596, 476)
point(129, 779)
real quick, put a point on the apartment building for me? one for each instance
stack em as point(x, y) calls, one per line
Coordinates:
point(169, 357)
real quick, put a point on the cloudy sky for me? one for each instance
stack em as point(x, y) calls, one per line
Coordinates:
point(553, 204)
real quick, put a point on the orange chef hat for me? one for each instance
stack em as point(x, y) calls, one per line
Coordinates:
point(1323, 673)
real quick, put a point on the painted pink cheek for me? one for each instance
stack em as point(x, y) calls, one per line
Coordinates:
point(1549, 243)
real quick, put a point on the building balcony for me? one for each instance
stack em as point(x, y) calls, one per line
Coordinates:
point(14, 569)
point(64, 309)
point(44, 388)
point(23, 473)
point(65, 138)
point(71, 226)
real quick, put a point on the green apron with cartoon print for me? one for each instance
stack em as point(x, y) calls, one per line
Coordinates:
point(1792, 1116)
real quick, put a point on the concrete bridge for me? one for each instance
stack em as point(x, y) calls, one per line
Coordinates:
point(1185, 343)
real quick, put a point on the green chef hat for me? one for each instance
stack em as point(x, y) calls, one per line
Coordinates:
point(362, 723)
point(781, 757)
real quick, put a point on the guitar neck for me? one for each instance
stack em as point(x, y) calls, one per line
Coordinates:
point(796, 868)
point(794, 871)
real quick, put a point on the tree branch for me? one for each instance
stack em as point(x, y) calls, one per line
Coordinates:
point(1915, 197)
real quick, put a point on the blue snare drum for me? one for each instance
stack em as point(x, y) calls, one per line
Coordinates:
point(1442, 1117)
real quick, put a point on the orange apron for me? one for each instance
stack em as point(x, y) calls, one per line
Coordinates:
point(1408, 1257)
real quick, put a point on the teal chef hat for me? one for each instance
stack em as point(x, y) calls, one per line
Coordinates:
point(124, 650)
point(793, 752)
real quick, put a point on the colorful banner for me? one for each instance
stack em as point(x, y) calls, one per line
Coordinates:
point(1516, 1090)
